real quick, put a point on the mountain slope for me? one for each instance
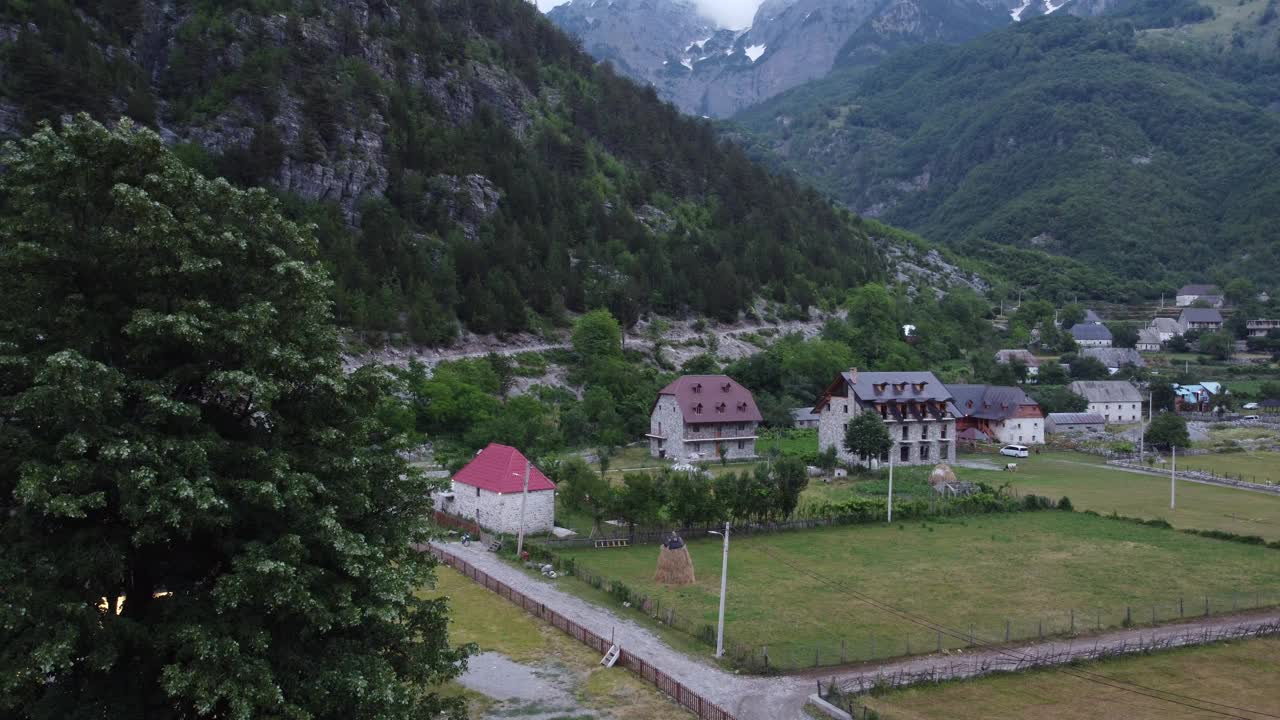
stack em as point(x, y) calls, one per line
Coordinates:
point(716, 72)
point(1059, 134)
point(461, 158)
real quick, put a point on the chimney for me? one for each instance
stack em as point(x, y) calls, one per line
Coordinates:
point(853, 376)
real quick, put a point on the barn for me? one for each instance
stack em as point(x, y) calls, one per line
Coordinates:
point(488, 491)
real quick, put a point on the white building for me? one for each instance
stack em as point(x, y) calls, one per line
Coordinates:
point(1004, 414)
point(1117, 401)
point(1191, 293)
point(1091, 335)
point(704, 417)
point(489, 489)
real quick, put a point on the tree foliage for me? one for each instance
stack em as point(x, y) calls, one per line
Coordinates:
point(1168, 430)
point(867, 436)
point(201, 514)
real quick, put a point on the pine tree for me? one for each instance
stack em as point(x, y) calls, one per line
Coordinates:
point(201, 515)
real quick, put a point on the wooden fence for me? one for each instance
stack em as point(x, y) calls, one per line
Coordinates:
point(686, 698)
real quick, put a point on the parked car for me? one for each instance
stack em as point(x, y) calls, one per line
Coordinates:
point(1018, 451)
point(1250, 417)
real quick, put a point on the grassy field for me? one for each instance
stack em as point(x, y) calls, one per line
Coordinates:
point(1241, 674)
point(1092, 485)
point(495, 625)
point(1253, 467)
point(1027, 568)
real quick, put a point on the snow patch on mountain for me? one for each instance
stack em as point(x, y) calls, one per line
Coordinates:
point(755, 51)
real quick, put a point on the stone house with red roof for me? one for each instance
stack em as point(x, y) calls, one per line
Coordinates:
point(488, 491)
point(704, 417)
point(916, 408)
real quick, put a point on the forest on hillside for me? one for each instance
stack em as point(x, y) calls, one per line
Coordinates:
point(465, 163)
point(1053, 140)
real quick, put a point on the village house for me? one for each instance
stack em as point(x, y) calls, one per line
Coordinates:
point(1114, 358)
point(804, 417)
point(1117, 401)
point(1032, 363)
point(1090, 335)
point(1149, 340)
point(704, 417)
point(1092, 317)
point(489, 489)
point(1003, 414)
point(1196, 398)
point(1189, 294)
point(1074, 423)
point(1201, 319)
point(1168, 328)
point(1261, 327)
point(915, 406)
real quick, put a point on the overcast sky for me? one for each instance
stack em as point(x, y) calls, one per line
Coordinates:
point(735, 14)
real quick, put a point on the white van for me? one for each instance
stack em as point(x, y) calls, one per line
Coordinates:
point(1250, 417)
point(1018, 451)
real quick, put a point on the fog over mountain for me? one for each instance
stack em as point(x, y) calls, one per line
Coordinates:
point(735, 14)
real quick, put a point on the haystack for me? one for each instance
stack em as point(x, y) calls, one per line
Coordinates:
point(675, 567)
point(942, 475)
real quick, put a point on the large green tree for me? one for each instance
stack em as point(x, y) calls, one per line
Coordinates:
point(867, 436)
point(200, 515)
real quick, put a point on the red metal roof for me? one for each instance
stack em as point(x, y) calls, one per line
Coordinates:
point(713, 399)
point(500, 469)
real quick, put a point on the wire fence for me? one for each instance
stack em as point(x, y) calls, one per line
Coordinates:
point(686, 698)
point(794, 656)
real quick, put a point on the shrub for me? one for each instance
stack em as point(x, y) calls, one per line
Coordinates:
point(1065, 504)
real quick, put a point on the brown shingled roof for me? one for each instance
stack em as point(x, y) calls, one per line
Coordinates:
point(713, 399)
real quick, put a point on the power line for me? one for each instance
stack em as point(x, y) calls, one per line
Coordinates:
point(1088, 676)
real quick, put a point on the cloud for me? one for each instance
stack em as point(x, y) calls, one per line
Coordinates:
point(728, 13)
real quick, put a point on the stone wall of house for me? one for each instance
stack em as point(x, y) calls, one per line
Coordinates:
point(1118, 412)
point(734, 449)
point(501, 512)
point(925, 443)
point(666, 421)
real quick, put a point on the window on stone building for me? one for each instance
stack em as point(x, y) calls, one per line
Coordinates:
point(924, 432)
point(924, 452)
point(905, 453)
point(905, 430)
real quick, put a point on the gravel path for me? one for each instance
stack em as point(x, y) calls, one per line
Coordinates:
point(781, 698)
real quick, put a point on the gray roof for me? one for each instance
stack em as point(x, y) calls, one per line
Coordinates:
point(1115, 357)
point(1164, 324)
point(1149, 336)
point(989, 402)
point(1076, 419)
point(1091, 317)
point(1005, 357)
point(872, 386)
point(804, 414)
point(1103, 391)
point(1089, 331)
point(1198, 290)
point(1201, 315)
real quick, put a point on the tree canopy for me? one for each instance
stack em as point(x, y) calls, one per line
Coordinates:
point(200, 514)
point(867, 436)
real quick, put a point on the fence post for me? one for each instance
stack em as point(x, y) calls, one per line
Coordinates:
point(1206, 606)
point(1042, 629)
point(1128, 616)
point(1006, 630)
point(842, 654)
point(1073, 621)
point(1180, 614)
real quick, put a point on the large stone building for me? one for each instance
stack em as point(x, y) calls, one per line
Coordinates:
point(1003, 414)
point(488, 491)
point(1117, 401)
point(704, 417)
point(1091, 335)
point(1189, 294)
point(916, 407)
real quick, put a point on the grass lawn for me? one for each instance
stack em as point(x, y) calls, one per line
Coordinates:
point(495, 625)
point(1254, 466)
point(1092, 485)
point(1026, 568)
point(1241, 674)
point(792, 441)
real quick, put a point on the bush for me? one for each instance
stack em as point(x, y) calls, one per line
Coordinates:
point(1065, 504)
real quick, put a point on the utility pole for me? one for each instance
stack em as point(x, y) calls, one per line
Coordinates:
point(1173, 476)
point(524, 501)
point(724, 581)
point(890, 488)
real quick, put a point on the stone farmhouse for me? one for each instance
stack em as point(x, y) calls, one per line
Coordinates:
point(1149, 340)
point(1074, 423)
point(1167, 328)
point(1188, 294)
point(1091, 335)
point(1201, 319)
point(488, 490)
point(704, 417)
point(1117, 401)
point(1003, 414)
point(804, 417)
point(1261, 327)
point(915, 406)
point(1005, 357)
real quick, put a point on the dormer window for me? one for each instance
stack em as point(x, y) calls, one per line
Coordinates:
point(742, 407)
point(968, 404)
point(899, 386)
point(726, 387)
point(697, 408)
point(919, 387)
point(879, 387)
point(697, 387)
point(720, 407)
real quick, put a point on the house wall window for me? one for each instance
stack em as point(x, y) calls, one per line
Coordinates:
point(905, 453)
point(944, 432)
point(924, 452)
point(477, 492)
point(924, 432)
point(742, 444)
